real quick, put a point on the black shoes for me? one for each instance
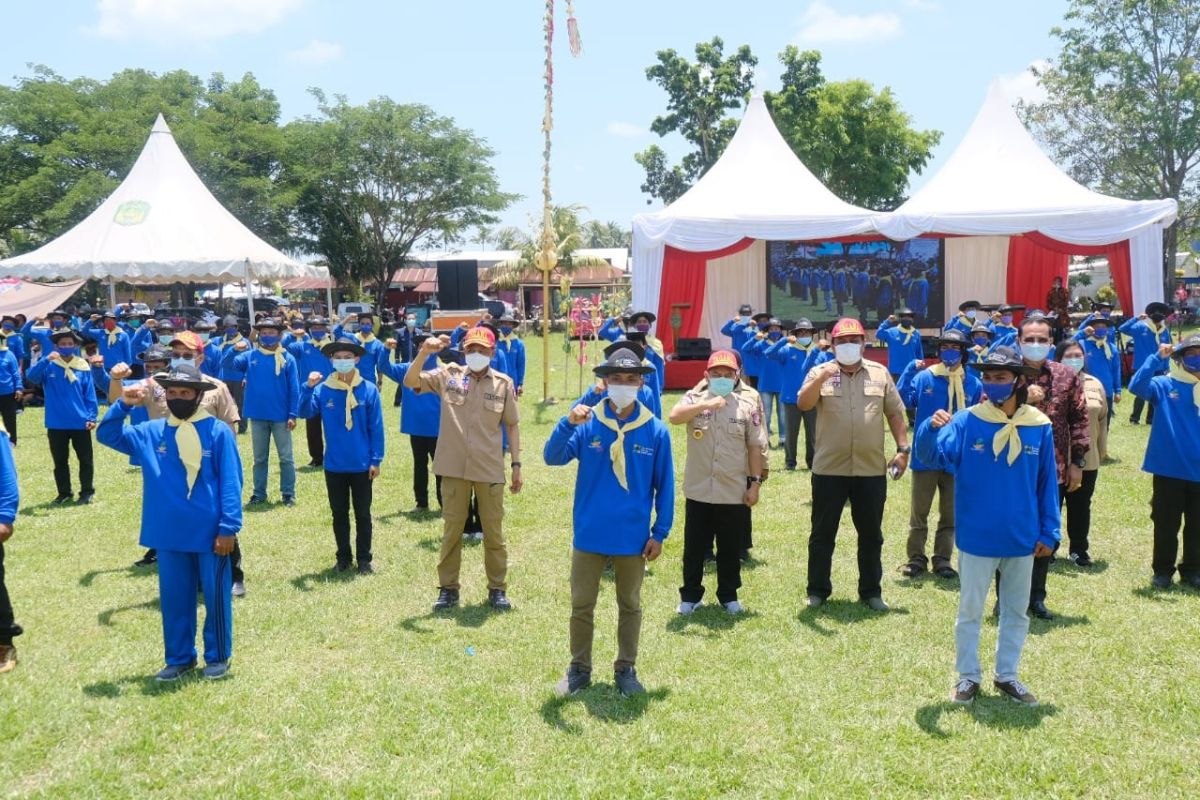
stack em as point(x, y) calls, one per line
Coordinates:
point(365, 568)
point(63, 498)
point(1038, 609)
point(1161, 581)
point(945, 571)
point(255, 501)
point(1080, 560)
point(447, 599)
point(577, 679)
point(148, 560)
point(341, 566)
point(913, 569)
point(627, 681)
point(289, 500)
point(85, 498)
point(498, 600)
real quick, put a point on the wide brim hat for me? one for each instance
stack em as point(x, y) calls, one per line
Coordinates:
point(156, 353)
point(953, 336)
point(775, 322)
point(637, 347)
point(969, 304)
point(507, 318)
point(342, 345)
point(184, 378)
point(636, 314)
point(802, 324)
point(317, 320)
point(1004, 358)
point(270, 322)
point(229, 319)
point(983, 328)
point(1184, 344)
point(1007, 307)
point(745, 308)
point(905, 311)
point(1158, 308)
point(761, 316)
point(1101, 304)
point(623, 360)
point(63, 333)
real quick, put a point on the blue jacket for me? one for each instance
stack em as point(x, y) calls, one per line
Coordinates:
point(738, 332)
point(918, 297)
point(268, 396)
point(1145, 342)
point(228, 372)
point(900, 355)
point(420, 412)
point(171, 519)
point(611, 330)
point(962, 325)
point(792, 357)
point(406, 347)
point(1171, 450)
point(119, 352)
point(70, 405)
point(607, 519)
point(1000, 511)
point(10, 374)
point(1094, 317)
point(1106, 370)
point(353, 450)
point(770, 370)
point(309, 358)
point(514, 354)
point(752, 361)
point(10, 495)
point(15, 342)
point(928, 393)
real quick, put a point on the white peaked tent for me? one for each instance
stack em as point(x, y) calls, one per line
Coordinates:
point(998, 184)
point(161, 225)
point(758, 190)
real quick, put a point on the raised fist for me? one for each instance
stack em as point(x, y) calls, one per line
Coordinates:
point(314, 378)
point(133, 395)
point(120, 371)
point(579, 413)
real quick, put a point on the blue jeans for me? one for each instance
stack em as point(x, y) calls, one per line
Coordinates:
point(773, 412)
point(261, 433)
point(975, 575)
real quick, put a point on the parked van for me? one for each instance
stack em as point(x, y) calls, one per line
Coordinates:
point(353, 308)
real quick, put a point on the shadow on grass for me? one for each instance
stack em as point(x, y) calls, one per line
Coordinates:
point(143, 683)
point(1039, 626)
point(919, 582)
point(707, 621)
point(1157, 595)
point(994, 712)
point(603, 702)
point(40, 509)
point(106, 617)
point(434, 543)
point(464, 616)
point(1067, 569)
point(88, 578)
point(304, 583)
point(843, 611)
point(412, 515)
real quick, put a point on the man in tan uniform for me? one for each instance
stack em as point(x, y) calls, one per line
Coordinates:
point(852, 397)
point(476, 401)
point(726, 437)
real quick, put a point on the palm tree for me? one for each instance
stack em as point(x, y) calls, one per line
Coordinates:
point(568, 236)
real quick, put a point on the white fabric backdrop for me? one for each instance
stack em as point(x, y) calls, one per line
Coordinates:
point(976, 269)
point(729, 282)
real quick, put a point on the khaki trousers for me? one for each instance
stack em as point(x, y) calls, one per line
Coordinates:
point(456, 503)
point(586, 570)
point(924, 484)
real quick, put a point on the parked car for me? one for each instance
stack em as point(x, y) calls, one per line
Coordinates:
point(187, 315)
point(353, 308)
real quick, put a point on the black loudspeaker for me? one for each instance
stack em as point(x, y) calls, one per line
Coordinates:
point(693, 349)
point(458, 285)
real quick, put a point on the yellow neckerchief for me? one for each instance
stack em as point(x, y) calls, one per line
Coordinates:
point(1154, 326)
point(187, 439)
point(277, 353)
point(804, 348)
point(76, 363)
point(370, 337)
point(1183, 376)
point(4, 338)
point(1101, 343)
point(908, 332)
point(333, 382)
point(512, 337)
point(965, 320)
point(957, 394)
point(617, 451)
point(655, 344)
point(1026, 416)
point(226, 342)
point(113, 335)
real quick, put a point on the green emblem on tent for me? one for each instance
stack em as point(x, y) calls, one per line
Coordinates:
point(133, 212)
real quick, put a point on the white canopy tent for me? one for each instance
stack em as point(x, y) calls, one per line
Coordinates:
point(161, 225)
point(758, 189)
point(998, 183)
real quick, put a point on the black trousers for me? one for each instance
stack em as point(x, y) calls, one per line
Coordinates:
point(8, 628)
point(8, 413)
point(866, 496)
point(237, 390)
point(315, 439)
point(1138, 404)
point(752, 380)
point(61, 442)
point(345, 488)
point(1176, 501)
point(423, 448)
point(1041, 566)
point(703, 523)
point(794, 416)
point(1079, 512)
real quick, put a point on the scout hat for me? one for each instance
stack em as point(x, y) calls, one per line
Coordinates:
point(229, 320)
point(904, 311)
point(480, 335)
point(983, 328)
point(184, 377)
point(1005, 358)
point(156, 352)
point(1158, 308)
point(847, 327)
point(507, 317)
point(968, 304)
point(954, 336)
point(723, 358)
point(638, 348)
point(270, 322)
point(165, 325)
point(635, 316)
point(623, 359)
point(761, 316)
point(202, 325)
point(802, 324)
point(342, 346)
point(1099, 304)
point(1184, 344)
point(317, 319)
point(745, 309)
point(774, 322)
point(1008, 308)
point(63, 333)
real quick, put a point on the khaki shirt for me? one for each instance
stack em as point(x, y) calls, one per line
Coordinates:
point(470, 445)
point(749, 393)
point(718, 447)
point(1097, 406)
point(218, 402)
point(851, 419)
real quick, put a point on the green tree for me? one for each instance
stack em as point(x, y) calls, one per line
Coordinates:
point(65, 145)
point(1123, 98)
point(374, 181)
point(699, 96)
point(606, 234)
point(568, 235)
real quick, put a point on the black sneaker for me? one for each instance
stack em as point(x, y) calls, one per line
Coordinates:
point(341, 566)
point(1161, 581)
point(148, 560)
point(1017, 691)
point(365, 568)
point(1192, 581)
point(627, 681)
point(63, 498)
point(964, 692)
point(1038, 609)
point(946, 571)
point(577, 679)
point(85, 498)
point(1081, 560)
point(913, 569)
point(289, 500)
point(256, 501)
point(498, 600)
point(447, 598)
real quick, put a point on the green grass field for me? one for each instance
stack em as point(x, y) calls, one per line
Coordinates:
point(351, 687)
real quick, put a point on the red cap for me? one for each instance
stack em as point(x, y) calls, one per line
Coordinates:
point(189, 340)
point(848, 327)
point(723, 358)
point(481, 336)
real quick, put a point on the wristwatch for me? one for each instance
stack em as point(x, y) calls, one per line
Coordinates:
point(516, 464)
point(905, 449)
point(754, 479)
point(1079, 462)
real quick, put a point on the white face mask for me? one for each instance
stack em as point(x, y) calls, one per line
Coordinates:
point(478, 362)
point(622, 396)
point(848, 353)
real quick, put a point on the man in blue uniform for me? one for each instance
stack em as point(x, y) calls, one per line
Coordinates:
point(231, 337)
point(71, 411)
point(625, 470)
point(9, 499)
point(349, 409)
point(1148, 331)
point(508, 342)
point(903, 341)
point(307, 350)
point(12, 388)
point(770, 375)
point(968, 315)
point(191, 513)
point(793, 353)
point(1171, 457)
point(1001, 452)
point(420, 417)
point(1102, 358)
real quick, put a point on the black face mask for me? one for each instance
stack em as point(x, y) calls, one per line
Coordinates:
point(1157, 318)
point(906, 322)
point(183, 409)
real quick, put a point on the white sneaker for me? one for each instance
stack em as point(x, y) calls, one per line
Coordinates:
point(734, 607)
point(687, 608)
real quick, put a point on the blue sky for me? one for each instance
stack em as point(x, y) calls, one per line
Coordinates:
point(480, 62)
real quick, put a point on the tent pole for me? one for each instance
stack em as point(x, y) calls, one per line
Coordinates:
point(249, 294)
point(329, 298)
point(112, 295)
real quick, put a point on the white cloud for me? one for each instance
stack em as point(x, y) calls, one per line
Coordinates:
point(1023, 85)
point(172, 20)
point(316, 52)
point(625, 130)
point(823, 24)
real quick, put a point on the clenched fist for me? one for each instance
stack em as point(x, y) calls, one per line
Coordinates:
point(579, 413)
point(314, 378)
point(133, 395)
point(120, 371)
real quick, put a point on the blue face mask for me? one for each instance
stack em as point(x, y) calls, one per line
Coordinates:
point(981, 341)
point(774, 335)
point(1100, 333)
point(165, 338)
point(998, 393)
point(318, 335)
point(268, 341)
point(178, 362)
point(56, 323)
point(67, 351)
point(804, 341)
point(8, 326)
point(411, 323)
point(1191, 363)
point(951, 358)
point(366, 327)
point(505, 330)
point(721, 386)
point(763, 327)
point(343, 365)
point(1105, 314)
point(231, 332)
point(1006, 319)
point(1035, 351)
